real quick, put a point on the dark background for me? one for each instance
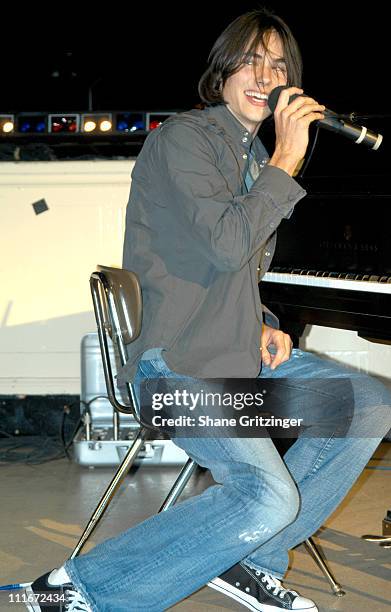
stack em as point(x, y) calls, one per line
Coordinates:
point(144, 57)
point(150, 57)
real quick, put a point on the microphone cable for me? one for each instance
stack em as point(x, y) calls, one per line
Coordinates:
point(307, 161)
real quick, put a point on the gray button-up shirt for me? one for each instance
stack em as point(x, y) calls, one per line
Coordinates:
point(195, 237)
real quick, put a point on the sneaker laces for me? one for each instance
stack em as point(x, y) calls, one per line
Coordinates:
point(75, 602)
point(274, 583)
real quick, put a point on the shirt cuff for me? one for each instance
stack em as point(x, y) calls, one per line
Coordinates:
point(282, 189)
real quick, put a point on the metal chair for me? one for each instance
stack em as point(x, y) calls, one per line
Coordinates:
point(117, 300)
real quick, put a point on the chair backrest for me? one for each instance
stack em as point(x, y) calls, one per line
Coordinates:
point(124, 288)
point(117, 300)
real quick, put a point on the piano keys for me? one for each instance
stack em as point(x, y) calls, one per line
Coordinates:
point(332, 280)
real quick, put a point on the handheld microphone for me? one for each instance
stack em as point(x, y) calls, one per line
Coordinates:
point(333, 122)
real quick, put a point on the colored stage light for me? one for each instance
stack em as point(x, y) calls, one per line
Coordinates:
point(130, 122)
point(7, 124)
point(64, 124)
point(31, 124)
point(105, 125)
point(96, 123)
point(156, 119)
point(89, 126)
point(89, 123)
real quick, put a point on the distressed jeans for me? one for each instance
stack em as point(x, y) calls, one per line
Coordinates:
point(260, 507)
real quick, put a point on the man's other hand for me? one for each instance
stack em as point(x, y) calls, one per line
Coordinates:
point(282, 343)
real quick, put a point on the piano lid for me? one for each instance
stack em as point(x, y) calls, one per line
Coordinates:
point(344, 223)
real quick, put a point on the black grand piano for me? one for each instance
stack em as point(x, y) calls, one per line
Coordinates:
point(332, 264)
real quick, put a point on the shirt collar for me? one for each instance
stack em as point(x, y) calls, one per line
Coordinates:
point(223, 116)
point(234, 131)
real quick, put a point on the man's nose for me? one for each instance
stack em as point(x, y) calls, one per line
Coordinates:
point(264, 78)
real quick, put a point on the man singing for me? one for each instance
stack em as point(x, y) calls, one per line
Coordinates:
point(205, 203)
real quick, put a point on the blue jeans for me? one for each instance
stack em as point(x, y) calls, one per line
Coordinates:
point(261, 507)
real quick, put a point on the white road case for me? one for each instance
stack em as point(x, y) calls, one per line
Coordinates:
point(100, 442)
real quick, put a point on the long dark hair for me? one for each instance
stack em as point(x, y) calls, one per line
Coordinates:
point(226, 56)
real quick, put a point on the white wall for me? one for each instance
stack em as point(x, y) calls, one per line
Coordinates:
point(46, 261)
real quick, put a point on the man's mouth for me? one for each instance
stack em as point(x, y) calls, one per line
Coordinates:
point(256, 98)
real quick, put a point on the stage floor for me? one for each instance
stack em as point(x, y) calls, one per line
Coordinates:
point(44, 507)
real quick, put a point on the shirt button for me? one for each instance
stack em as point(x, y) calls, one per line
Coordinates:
point(245, 139)
point(267, 253)
point(244, 155)
point(271, 224)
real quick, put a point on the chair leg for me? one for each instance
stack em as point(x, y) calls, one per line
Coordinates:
point(321, 562)
point(180, 483)
point(384, 540)
point(108, 495)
